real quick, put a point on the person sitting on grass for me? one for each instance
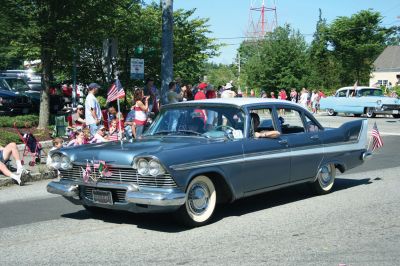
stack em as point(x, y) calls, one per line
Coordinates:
point(6, 153)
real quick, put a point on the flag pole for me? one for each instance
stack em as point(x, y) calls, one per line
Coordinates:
point(119, 120)
point(369, 144)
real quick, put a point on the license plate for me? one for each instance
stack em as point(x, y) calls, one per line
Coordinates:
point(395, 111)
point(102, 197)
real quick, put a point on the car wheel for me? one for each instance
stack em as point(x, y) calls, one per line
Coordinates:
point(331, 112)
point(201, 200)
point(370, 113)
point(325, 179)
point(396, 116)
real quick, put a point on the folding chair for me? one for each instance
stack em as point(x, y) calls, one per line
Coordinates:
point(61, 126)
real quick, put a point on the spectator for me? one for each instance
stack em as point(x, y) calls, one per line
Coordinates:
point(272, 95)
point(186, 93)
point(130, 126)
point(79, 139)
point(293, 95)
point(6, 153)
point(113, 132)
point(314, 101)
point(92, 109)
point(178, 83)
point(228, 92)
point(200, 95)
point(252, 93)
point(141, 110)
point(304, 97)
point(57, 144)
point(78, 118)
point(100, 136)
point(282, 95)
point(172, 96)
point(263, 94)
point(113, 114)
point(154, 97)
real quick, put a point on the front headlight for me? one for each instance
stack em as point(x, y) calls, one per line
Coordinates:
point(142, 167)
point(155, 168)
point(56, 161)
point(65, 163)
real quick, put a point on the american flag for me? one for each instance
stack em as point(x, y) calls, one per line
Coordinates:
point(377, 140)
point(115, 92)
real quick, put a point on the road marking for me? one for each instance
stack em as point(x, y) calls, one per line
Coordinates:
point(386, 133)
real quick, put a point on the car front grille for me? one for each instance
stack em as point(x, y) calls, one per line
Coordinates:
point(118, 195)
point(122, 175)
point(391, 106)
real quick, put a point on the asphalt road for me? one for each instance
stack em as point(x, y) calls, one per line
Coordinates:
point(357, 224)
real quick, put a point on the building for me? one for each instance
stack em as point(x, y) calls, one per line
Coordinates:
point(386, 68)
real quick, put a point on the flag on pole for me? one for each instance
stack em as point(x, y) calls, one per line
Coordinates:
point(115, 92)
point(86, 173)
point(377, 140)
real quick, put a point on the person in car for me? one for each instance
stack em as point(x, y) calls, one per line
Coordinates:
point(264, 133)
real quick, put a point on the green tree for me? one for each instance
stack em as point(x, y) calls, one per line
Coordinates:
point(356, 42)
point(220, 74)
point(275, 62)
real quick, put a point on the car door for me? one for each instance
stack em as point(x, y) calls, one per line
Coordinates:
point(304, 138)
point(266, 160)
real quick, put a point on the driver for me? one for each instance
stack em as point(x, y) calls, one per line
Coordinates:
point(264, 133)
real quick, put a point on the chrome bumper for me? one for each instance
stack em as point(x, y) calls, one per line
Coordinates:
point(366, 156)
point(134, 195)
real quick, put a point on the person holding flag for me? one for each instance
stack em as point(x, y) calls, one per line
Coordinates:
point(115, 93)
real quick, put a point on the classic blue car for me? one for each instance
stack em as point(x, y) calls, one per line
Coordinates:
point(361, 100)
point(200, 153)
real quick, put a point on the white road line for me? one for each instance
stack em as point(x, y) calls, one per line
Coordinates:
point(386, 133)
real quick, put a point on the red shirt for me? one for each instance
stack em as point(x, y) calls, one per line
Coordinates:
point(200, 95)
point(283, 95)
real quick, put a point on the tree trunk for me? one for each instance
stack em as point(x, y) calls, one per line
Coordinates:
point(166, 47)
point(44, 99)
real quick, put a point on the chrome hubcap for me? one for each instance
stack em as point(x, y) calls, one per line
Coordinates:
point(325, 176)
point(198, 198)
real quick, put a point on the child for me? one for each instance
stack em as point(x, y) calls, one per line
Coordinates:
point(113, 132)
point(141, 110)
point(57, 144)
point(78, 140)
point(130, 126)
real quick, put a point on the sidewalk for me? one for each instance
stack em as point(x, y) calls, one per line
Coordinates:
point(37, 172)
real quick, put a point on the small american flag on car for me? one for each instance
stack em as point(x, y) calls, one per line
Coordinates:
point(115, 92)
point(377, 140)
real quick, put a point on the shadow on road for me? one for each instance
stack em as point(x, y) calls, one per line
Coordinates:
point(167, 223)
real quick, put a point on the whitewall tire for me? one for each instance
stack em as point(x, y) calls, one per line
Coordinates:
point(201, 200)
point(325, 179)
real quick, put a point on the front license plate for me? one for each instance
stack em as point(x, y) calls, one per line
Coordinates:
point(102, 197)
point(395, 112)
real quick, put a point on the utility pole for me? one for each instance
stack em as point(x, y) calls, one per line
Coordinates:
point(74, 80)
point(167, 70)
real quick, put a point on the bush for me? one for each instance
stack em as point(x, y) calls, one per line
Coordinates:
point(20, 120)
point(7, 137)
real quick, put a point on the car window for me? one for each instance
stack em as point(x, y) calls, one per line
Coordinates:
point(290, 121)
point(3, 85)
point(18, 85)
point(352, 93)
point(265, 120)
point(208, 121)
point(311, 126)
point(341, 93)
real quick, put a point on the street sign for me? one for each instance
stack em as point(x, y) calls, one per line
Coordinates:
point(137, 68)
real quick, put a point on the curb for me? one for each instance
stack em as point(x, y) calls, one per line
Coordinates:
point(31, 177)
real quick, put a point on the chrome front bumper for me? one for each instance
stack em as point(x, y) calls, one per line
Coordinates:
point(136, 196)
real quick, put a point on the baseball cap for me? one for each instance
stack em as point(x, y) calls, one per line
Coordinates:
point(80, 106)
point(202, 85)
point(94, 86)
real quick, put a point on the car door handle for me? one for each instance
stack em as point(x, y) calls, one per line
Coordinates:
point(315, 137)
point(283, 141)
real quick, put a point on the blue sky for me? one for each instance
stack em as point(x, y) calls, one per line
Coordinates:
point(229, 18)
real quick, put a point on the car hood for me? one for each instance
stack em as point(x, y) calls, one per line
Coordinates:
point(117, 153)
point(4, 93)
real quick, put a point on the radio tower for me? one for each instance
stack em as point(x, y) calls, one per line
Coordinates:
point(262, 19)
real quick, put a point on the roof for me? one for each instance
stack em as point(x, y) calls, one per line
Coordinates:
point(388, 60)
point(357, 88)
point(238, 101)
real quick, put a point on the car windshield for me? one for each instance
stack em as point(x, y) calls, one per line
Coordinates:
point(199, 121)
point(18, 85)
point(3, 85)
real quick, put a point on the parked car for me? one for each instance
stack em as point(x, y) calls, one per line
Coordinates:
point(12, 103)
point(359, 101)
point(200, 153)
point(32, 79)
